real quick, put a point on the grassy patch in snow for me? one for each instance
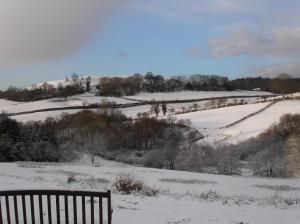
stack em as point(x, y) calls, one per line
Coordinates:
point(187, 181)
point(278, 187)
point(275, 200)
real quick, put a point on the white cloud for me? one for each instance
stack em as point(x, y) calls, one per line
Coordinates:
point(282, 42)
point(34, 30)
point(239, 41)
point(292, 68)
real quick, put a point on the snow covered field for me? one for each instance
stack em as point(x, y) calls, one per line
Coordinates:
point(184, 95)
point(42, 116)
point(209, 123)
point(257, 124)
point(185, 198)
point(79, 100)
point(217, 118)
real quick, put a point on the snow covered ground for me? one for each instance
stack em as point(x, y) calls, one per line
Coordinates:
point(42, 116)
point(68, 81)
point(217, 118)
point(204, 104)
point(184, 95)
point(85, 99)
point(185, 198)
point(79, 100)
point(209, 124)
point(257, 124)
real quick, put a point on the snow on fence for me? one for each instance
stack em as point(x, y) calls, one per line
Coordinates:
point(54, 206)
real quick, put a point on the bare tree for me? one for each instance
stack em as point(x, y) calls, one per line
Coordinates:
point(195, 106)
point(155, 108)
point(172, 148)
point(292, 154)
point(229, 164)
point(164, 108)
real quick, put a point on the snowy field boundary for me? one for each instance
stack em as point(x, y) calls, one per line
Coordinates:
point(250, 115)
point(128, 105)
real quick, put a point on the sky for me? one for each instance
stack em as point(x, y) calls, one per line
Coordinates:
point(44, 40)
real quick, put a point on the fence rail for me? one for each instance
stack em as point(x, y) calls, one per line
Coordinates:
point(53, 206)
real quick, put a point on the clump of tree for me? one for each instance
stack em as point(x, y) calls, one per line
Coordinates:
point(28, 142)
point(155, 108)
point(228, 160)
point(282, 84)
point(107, 131)
point(118, 86)
point(268, 152)
point(197, 158)
point(154, 83)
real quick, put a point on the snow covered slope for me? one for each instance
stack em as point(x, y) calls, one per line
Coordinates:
point(257, 124)
point(185, 198)
point(220, 117)
point(42, 116)
point(68, 81)
point(209, 122)
point(184, 95)
point(79, 100)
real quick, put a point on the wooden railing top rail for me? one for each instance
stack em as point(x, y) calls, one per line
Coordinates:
point(55, 192)
point(46, 206)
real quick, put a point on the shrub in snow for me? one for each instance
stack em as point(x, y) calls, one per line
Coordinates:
point(196, 158)
point(278, 187)
point(71, 179)
point(281, 202)
point(187, 181)
point(210, 196)
point(127, 183)
point(229, 165)
point(130, 183)
point(154, 159)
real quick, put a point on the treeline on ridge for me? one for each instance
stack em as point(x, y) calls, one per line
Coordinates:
point(131, 85)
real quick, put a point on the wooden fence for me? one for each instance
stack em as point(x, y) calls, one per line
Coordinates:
point(55, 206)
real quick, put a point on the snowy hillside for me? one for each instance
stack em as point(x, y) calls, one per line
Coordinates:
point(85, 99)
point(257, 124)
point(217, 118)
point(42, 116)
point(67, 81)
point(184, 95)
point(211, 124)
point(79, 100)
point(184, 198)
